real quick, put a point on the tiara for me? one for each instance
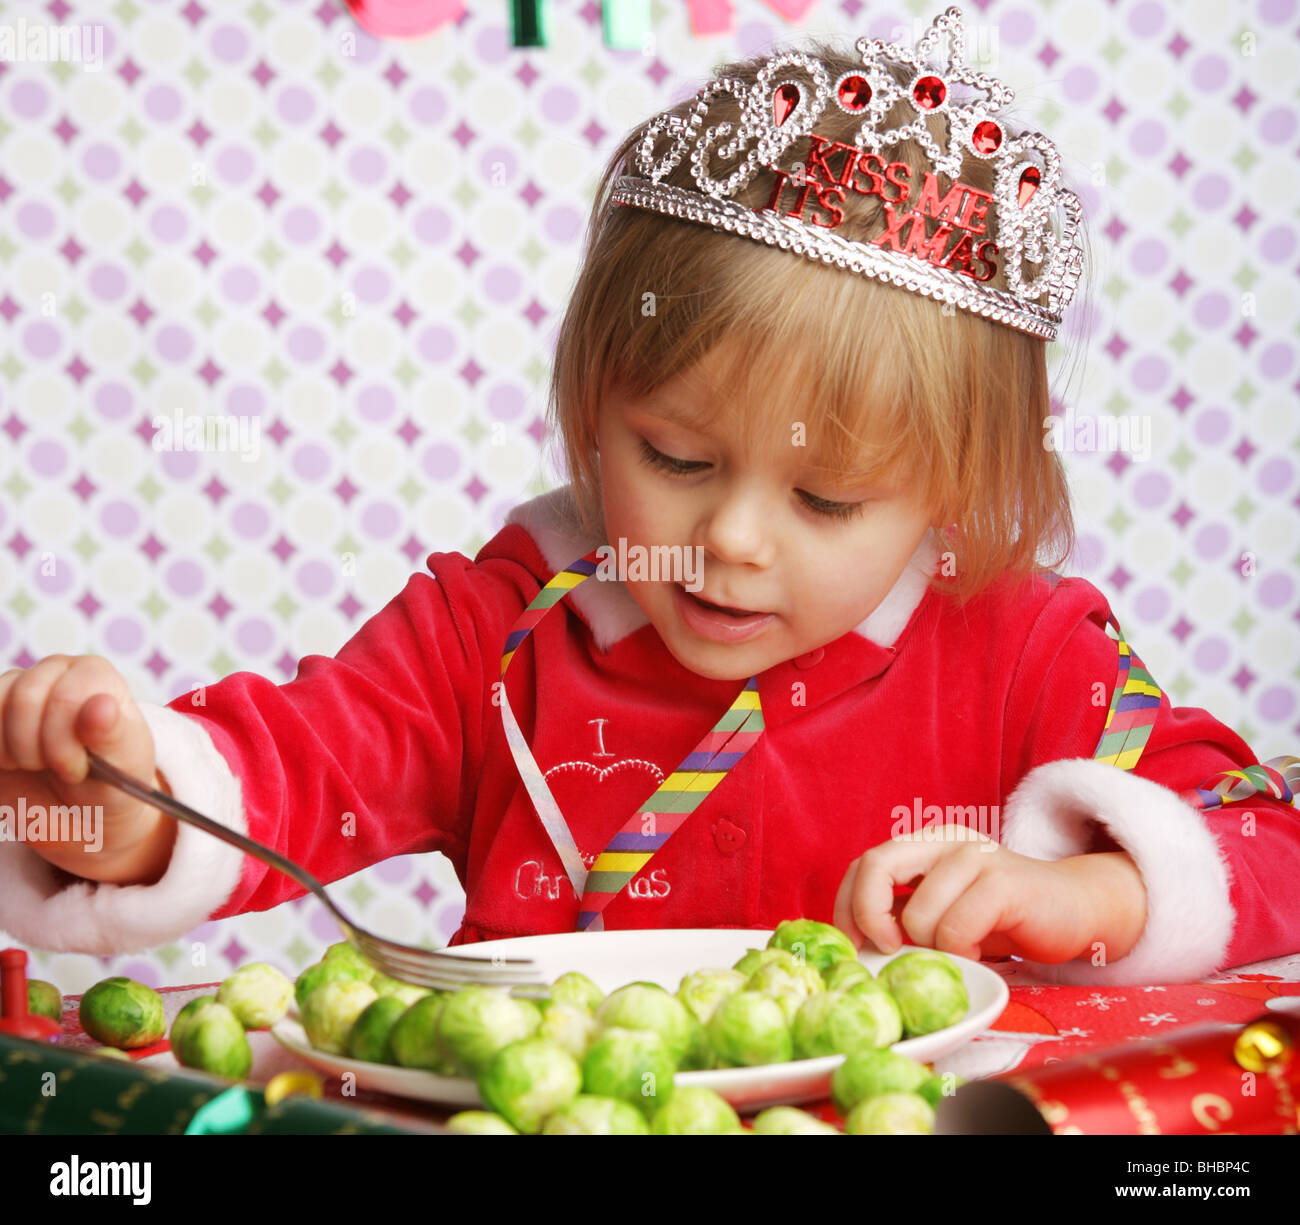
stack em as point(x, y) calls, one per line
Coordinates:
point(955, 263)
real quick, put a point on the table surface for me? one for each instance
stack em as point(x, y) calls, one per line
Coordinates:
point(1042, 1023)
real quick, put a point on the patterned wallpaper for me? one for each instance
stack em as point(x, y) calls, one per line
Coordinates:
point(353, 254)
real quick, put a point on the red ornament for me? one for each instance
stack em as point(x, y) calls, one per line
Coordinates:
point(786, 99)
point(1030, 178)
point(855, 93)
point(986, 137)
point(929, 92)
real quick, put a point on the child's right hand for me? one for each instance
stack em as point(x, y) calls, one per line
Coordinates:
point(50, 715)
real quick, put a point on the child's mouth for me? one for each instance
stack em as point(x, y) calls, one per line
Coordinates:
point(719, 621)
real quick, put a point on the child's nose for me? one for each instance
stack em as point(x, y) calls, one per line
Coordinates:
point(737, 528)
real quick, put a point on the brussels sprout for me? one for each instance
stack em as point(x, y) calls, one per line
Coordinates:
point(413, 1039)
point(123, 1013)
point(578, 991)
point(182, 1018)
point(891, 1114)
point(347, 954)
point(568, 1026)
point(838, 1022)
point(480, 1123)
point(790, 1121)
point(44, 1000)
point(818, 944)
point(754, 958)
point(527, 1080)
point(476, 1022)
point(693, 1111)
point(747, 1029)
point(703, 990)
point(932, 1088)
point(408, 993)
point(867, 1073)
point(368, 1037)
point(330, 1011)
point(788, 985)
point(589, 1115)
point(840, 975)
point(644, 1006)
point(633, 1065)
point(929, 989)
point(214, 1041)
point(324, 972)
point(258, 994)
point(699, 1055)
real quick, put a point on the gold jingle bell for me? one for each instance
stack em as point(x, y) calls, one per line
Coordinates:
point(1262, 1045)
point(291, 1084)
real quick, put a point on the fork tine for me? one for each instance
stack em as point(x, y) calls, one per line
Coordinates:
point(442, 970)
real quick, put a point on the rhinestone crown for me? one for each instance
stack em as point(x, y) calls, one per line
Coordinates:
point(774, 113)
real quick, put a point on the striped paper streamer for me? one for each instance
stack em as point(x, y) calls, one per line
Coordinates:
point(1133, 709)
point(679, 795)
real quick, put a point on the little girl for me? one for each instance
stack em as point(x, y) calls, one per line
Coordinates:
point(782, 646)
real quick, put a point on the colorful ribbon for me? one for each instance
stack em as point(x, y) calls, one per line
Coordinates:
point(1134, 705)
point(663, 814)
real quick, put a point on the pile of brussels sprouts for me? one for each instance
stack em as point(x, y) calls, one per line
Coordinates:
point(578, 1062)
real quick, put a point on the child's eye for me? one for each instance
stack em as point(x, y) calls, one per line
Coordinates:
point(656, 459)
point(832, 510)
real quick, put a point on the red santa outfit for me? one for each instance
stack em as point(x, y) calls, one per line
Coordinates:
point(989, 716)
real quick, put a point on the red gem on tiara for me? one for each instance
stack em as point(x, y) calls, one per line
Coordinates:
point(1029, 180)
point(855, 93)
point(785, 100)
point(986, 137)
point(929, 92)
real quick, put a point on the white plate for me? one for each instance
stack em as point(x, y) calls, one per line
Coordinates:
point(613, 959)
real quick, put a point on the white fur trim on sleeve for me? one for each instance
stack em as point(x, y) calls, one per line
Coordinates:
point(1189, 915)
point(40, 909)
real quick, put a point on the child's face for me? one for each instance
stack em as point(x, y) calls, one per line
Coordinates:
point(750, 517)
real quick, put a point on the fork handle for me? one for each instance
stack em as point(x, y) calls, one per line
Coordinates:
point(182, 812)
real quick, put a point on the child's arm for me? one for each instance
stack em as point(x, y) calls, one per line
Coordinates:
point(1221, 886)
point(370, 754)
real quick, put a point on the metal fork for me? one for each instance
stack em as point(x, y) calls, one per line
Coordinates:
point(421, 967)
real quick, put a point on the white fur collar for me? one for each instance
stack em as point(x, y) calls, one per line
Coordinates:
point(612, 614)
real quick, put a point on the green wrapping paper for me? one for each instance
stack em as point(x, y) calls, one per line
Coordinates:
point(49, 1090)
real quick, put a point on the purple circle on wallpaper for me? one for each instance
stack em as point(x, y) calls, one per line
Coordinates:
point(41, 339)
point(184, 577)
point(1276, 703)
point(240, 283)
point(427, 105)
point(51, 572)
point(107, 282)
point(372, 283)
point(28, 99)
point(376, 402)
point(179, 464)
point(1210, 654)
point(498, 164)
point(245, 400)
point(296, 104)
point(315, 578)
point(250, 520)
point(47, 457)
point(235, 164)
point(123, 635)
point(101, 161)
point(441, 461)
point(255, 635)
point(35, 220)
point(113, 400)
point(169, 223)
point(228, 43)
point(162, 102)
point(431, 224)
point(119, 517)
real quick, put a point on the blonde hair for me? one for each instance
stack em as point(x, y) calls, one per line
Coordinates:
point(887, 382)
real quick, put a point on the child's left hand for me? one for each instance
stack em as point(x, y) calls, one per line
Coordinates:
point(976, 899)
